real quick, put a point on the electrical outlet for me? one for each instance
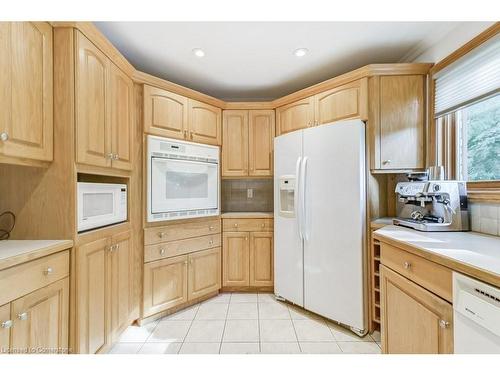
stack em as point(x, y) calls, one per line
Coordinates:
point(249, 193)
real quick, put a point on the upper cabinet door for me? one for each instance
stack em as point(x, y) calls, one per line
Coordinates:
point(93, 133)
point(165, 113)
point(295, 116)
point(121, 118)
point(204, 123)
point(401, 122)
point(261, 141)
point(343, 102)
point(26, 119)
point(235, 143)
point(42, 318)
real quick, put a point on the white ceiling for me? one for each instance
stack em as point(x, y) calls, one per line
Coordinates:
point(255, 61)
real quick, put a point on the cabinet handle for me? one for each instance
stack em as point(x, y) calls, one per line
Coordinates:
point(22, 316)
point(109, 156)
point(4, 136)
point(444, 323)
point(7, 324)
point(48, 271)
point(162, 251)
point(185, 262)
point(117, 246)
point(407, 265)
point(115, 157)
point(162, 234)
point(211, 242)
point(385, 162)
point(211, 227)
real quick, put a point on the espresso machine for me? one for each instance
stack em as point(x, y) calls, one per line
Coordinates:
point(432, 205)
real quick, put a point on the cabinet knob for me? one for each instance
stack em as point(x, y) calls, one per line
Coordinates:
point(385, 162)
point(236, 225)
point(22, 316)
point(109, 156)
point(162, 234)
point(211, 227)
point(185, 262)
point(407, 265)
point(444, 323)
point(162, 251)
point(115, 157)
point(7, 324)
point(211, 242)
point(262, 225)
point(4, 136)
point(48, 271)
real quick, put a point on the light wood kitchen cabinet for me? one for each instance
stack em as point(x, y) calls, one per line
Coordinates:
point(414, 320)
point(261, 125)
point(122, 102)
point(261, 259)
point(165, 284)
point(295, 116)
point(204, 273)
point(235, 259)
point(174, 116)
point(26, 92)
point(396, 118)
point(204, 122)
point(104, 105)
point(41, 319)
point(247, 253)
point(235, 143)
point(5, 328)
point(120, 287)
point(103, 290)
point(341, 103)
point(91, 304)
point(165, 113)
point(247, 143)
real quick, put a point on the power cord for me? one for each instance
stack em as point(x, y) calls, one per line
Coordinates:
point(5, 233)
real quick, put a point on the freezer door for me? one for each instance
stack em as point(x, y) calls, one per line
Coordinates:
point(334, 221)
point(288, 254)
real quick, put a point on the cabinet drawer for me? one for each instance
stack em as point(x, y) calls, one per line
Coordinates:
point(174, 248)
point(430, 275)
point(20, 280)
point(181, 231)
point(248, 225)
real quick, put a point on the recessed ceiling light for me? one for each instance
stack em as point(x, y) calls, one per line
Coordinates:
point(299, 52)
point(198, 52)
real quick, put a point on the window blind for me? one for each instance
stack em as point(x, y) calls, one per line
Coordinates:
point(475, 75)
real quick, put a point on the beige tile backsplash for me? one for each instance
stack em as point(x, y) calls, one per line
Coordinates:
point(236, 196)
point(485, 218)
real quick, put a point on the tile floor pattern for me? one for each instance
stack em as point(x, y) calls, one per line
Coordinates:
point(243, 323)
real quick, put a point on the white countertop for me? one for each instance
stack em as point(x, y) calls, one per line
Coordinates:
point(13, 252)
point(468, 249)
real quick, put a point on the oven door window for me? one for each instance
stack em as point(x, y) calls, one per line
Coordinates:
point(183, 185)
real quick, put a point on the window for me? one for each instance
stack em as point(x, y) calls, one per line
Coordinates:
point(478, 141)
point(467, 116)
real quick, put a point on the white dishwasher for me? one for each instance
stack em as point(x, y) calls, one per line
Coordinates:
point(476, 316)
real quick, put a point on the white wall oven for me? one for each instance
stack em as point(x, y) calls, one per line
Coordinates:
point(100, 205)
point(182, 179)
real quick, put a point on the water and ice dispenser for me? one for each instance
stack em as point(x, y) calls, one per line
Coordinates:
point(287, 196)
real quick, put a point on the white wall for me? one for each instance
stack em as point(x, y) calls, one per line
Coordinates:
point(452, 40)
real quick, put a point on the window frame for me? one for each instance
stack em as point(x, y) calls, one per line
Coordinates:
point(442, 147)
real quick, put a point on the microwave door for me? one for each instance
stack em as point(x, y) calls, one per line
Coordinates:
point(183, 185)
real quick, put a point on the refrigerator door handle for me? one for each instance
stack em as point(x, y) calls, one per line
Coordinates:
point(303, 194)
point(297, 197)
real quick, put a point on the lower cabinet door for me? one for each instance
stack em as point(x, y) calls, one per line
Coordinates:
point(165, 284)
point(235, 259)
point(91, 296)
point(121, 263)
point(204, 273)
point(5, 328)
point(414, 320)
point(261, 259)
point(41, 320)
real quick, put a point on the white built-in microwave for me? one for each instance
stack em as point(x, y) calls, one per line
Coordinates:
point(100, 205)
point(182, 179)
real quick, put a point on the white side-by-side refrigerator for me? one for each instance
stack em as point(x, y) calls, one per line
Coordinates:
point(320, 219)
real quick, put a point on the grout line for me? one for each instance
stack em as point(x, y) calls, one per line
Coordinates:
point(225, 322)
point(189, 329)
point(258, 324)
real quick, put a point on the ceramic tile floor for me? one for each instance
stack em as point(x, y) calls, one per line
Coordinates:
point(243, 323)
